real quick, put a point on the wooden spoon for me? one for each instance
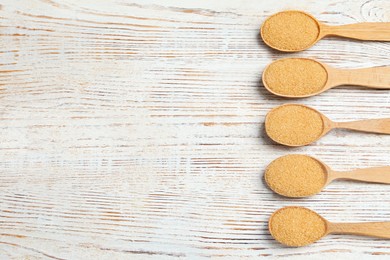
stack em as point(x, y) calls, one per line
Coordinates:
point(289, 226)
point(376, 77)
point(378, 31)
point(306, 175)
point(380, 126)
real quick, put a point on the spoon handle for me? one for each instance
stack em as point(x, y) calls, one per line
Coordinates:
point(372, 229)
point(362, 31)
point(380, 126)
point(374, 174)
point(376, 77)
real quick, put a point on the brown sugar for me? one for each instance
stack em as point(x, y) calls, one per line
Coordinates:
point(296, 226)
point(295, 77)
point(295, 175)
point(294, 125)
point(290, 31)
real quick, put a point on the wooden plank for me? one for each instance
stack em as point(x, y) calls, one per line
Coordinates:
point(133, 129)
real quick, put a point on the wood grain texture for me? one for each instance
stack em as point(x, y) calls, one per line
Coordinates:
point(134, 129)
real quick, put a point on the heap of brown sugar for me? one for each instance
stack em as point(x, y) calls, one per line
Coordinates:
point(295, 77)
point(295, 175)
point(294, 125)
point(290, 31)
point(296, 226)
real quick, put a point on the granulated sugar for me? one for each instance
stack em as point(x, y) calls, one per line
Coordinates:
point(295, 175)
point(293, 125)
point(295, 77)
point(290, 31)
point(296, 226)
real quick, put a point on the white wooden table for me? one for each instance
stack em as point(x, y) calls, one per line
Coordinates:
point(134, 129)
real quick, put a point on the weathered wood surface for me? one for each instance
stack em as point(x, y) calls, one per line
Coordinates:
point(133, 129)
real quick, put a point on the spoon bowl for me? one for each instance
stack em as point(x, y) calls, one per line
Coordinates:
point(302, 77)
point(289, 226)
point(288, 18)
point(296, 176)
point(294, 125)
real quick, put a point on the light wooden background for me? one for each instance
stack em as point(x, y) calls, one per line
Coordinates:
point(134, 129)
